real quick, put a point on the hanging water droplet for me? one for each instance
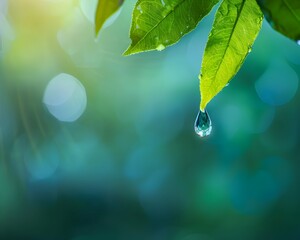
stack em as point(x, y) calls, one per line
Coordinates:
point(160, 47)
point(298, 42)
point(203, 125)
point(249, 49)
point(227, 84)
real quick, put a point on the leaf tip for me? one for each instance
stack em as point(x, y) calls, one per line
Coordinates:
point(97, 30)
point(131, 50)
point(202, 106)
point(128, 51)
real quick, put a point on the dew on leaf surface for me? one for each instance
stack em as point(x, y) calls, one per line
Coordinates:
point(160, 47)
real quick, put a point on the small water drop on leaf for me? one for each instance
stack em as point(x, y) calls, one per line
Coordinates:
point(203, 125)
point(160, 47)
point(259, 20)
point(139, 8)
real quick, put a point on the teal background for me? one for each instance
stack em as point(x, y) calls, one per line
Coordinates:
point(131, 167)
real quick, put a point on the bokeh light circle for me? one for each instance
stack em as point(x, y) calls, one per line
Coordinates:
point(65, 98)
point(278, 84)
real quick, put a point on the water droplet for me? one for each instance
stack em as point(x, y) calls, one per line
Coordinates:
point(139, 8)
point(160, 47)
point(249, 49)
point(203, 125)
point(298, 42)
point(227, 84)
point(260, 19)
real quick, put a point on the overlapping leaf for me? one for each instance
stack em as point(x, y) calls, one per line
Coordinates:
point(105, 9)
point(160, 23)
point(283, 16)
point(236, 26)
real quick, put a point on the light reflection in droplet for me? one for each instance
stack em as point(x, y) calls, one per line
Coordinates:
point(203, 126)
point(65, 98)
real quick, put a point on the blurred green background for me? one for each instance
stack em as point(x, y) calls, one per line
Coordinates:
point(94, 145)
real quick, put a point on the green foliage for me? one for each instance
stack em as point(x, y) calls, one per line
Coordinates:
point(283, 16)
point(236, 25)
point(105, 9)
point(157, 24)
point(160, 23)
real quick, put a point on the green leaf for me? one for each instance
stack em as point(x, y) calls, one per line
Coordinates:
point(235, 28)
point(160, 23)
point(105, 9)
point(283, 16)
